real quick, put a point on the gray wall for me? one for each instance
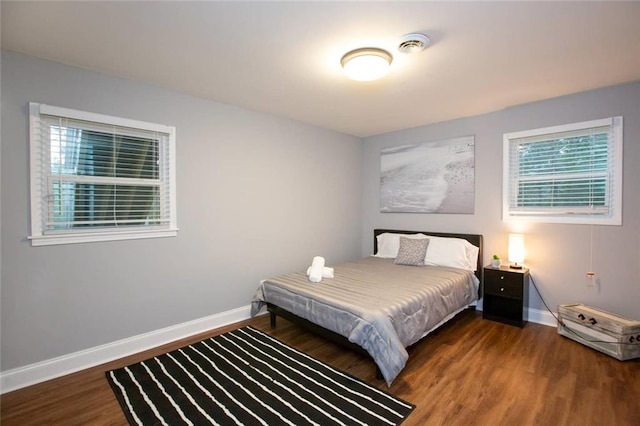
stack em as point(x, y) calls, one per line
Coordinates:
point(557, 254)
point(257, 196)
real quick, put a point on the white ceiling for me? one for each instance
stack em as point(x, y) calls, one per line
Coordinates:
point(283, 58)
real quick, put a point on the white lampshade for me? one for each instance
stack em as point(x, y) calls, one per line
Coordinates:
point(516, 249)
point(366, 64)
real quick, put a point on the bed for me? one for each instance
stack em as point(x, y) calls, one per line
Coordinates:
point(378, 306)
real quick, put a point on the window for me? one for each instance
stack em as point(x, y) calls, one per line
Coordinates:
point(99, 178)
point(565, 174)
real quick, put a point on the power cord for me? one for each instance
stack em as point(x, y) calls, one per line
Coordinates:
point(563, 324)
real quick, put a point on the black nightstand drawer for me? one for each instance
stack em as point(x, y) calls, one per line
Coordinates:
point(502, 284)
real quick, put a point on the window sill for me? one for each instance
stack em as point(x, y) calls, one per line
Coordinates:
point(568, 219)
point(48, 240)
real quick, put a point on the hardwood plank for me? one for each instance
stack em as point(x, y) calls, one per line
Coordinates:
point(471, 372)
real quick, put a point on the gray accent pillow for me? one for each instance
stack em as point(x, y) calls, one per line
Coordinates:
point(412, 251)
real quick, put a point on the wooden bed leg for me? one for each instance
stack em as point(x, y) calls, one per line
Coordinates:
point(379, 375)
point(272, 319)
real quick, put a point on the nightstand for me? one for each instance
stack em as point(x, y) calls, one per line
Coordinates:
point(505, 295)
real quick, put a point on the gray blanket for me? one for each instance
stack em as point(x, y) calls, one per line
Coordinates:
point(376, 304)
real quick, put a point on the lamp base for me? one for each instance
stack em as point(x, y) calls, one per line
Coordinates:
point(515, 266)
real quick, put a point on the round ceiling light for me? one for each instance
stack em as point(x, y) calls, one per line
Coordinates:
point(366, 64)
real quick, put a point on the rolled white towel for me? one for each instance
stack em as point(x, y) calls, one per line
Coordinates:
point(315, 273)
point(326, 272)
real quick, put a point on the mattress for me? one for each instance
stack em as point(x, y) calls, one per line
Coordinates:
point(376, 304)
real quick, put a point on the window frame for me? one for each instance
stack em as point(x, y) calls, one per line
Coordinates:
point(39, 180)
point(613, 215)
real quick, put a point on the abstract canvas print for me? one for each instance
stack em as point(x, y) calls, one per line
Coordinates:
point(432, 177)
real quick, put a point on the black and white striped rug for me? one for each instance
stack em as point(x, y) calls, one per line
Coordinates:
point(246, 377)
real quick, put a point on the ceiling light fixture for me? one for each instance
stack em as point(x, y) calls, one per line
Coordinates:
point(366, 64)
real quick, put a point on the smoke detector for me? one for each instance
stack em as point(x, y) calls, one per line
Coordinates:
point(413, 43)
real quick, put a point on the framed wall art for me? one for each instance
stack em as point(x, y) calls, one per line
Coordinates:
point(432, 177)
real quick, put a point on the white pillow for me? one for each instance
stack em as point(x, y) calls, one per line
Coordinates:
point(472, 255)
point(453, 252)
point(389, 244)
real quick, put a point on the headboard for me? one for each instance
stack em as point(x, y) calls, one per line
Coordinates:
point(475, 239)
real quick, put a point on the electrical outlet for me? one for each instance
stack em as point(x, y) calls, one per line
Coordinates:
point(591, 279)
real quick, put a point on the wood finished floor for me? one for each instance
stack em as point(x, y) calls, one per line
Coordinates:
point(472, 372)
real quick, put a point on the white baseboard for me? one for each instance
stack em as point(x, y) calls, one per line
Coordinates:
point(60, 366)
point(542, 317)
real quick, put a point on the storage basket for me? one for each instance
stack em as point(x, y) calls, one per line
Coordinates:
point(608, 333)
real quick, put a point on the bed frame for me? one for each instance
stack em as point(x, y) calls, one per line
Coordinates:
point(275, 310)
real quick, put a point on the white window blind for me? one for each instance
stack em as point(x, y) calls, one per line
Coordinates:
point(96, 177)
point(565, 174)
